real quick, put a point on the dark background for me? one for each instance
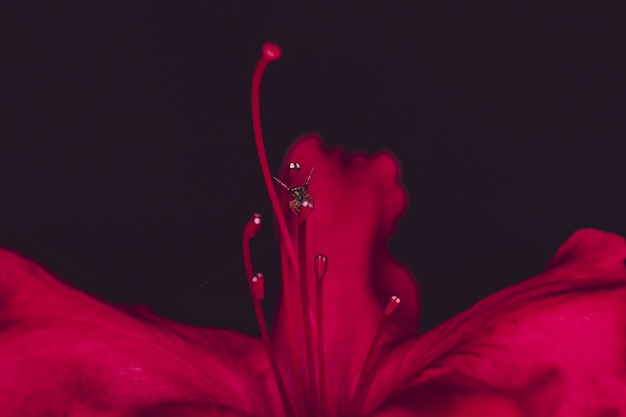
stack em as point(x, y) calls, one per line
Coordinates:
point(128, 165)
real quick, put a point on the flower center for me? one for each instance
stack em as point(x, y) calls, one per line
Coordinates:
point(312, 380)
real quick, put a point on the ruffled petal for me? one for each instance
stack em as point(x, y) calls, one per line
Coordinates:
point(555, 342)
point(358, 200)
point(62, 351)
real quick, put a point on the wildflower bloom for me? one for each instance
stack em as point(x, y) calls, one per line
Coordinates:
point(551, 346)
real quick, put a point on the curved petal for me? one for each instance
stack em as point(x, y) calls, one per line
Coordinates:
point(556, 340)
point(445, 400)
point(358, 200)
point(62, 351)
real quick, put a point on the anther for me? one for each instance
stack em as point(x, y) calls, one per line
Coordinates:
point(258, 286)
point(321, 265)
point(253, 226)
point(393, 303)
point(292, 172)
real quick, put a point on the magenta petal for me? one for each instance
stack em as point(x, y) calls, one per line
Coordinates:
point(358, 201)
point(64, 352)
point(556, 341)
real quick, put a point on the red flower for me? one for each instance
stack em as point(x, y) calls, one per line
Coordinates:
point(551, 346)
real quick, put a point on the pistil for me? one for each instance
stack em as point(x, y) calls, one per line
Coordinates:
point(272, 52)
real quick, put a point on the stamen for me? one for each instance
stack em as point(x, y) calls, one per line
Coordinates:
point(271, 52)
point(306, 316)
point(256, 284)
point(321, 265)
point(292, 172)
point(250, 230)
point(359, 393)
point(394, 302)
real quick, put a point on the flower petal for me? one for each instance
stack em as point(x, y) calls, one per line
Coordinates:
point(180, 409)
point(64, 352)
point(439, 400)
point(357, 203)
point(555, 341)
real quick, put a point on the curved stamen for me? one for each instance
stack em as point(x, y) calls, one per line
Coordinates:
point(256, 284)
point(359, 393)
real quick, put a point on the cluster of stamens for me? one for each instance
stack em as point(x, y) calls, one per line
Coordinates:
point(301, 204)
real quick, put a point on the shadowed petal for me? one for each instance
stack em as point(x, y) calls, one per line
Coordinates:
point(183, 409)
point(63, 350)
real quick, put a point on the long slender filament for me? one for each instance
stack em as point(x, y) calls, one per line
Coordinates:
point(306, 315)
point(324, 406)
point(358, 398)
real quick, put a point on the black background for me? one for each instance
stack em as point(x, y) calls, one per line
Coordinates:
point(128, 165)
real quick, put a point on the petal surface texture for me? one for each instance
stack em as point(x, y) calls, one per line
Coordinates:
point(63, 353)
point(358, 200)
point(550, 346)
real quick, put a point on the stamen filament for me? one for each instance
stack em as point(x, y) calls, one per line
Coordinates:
point(359, 393)
point(271, 52)
point(256, 284)
point(306, 316)
point(321, 264)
